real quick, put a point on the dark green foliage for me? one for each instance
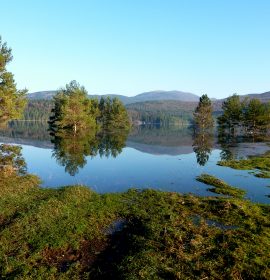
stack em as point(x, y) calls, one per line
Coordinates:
point(12, 101)
point(256, 116)
point(113, 114)
point(203, 115)
point(232, 112)
point(251, 115)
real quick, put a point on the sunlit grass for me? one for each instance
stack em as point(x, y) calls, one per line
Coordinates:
point(62, 234)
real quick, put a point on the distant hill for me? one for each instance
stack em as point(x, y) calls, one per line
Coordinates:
point(158, 95)
point(42, 95)
point(165, 95)
point(264, 97)
point(146, 96)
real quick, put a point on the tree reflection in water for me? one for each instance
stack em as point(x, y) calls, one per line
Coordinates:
point(11, 160)
point(71, 150)
point(202, 146)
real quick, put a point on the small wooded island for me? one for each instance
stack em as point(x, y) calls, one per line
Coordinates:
point(73, 232)
point(73, 110)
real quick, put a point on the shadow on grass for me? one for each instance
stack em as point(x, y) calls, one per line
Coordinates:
point(120, 245)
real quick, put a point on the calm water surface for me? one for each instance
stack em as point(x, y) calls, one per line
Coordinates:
point(160, 158)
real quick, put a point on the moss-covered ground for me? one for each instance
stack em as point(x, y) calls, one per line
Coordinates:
point(260, 163)
point(219, 186)
point(75, 233)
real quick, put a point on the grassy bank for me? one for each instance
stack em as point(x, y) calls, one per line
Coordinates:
point(260, 163)
point(75, 233)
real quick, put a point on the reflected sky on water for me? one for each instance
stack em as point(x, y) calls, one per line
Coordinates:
point(149, 157)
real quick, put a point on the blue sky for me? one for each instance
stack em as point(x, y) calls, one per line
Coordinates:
point(127, 47)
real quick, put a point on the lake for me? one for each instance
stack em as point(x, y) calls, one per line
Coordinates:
point(166, 159)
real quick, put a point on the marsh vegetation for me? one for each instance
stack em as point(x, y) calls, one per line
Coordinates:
point(69, 233)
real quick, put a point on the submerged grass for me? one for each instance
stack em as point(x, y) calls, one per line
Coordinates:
point(259, 163)
point(220, 187)
point(66, 234)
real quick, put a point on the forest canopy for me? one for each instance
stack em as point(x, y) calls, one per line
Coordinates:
point(12, 100)
point(73, 110)
point(250, 115)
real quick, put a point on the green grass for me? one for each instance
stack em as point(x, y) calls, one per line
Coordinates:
point(259, 163)
point(63, 234)
point(220, 187)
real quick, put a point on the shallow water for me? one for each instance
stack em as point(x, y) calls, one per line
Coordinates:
point(153, 157)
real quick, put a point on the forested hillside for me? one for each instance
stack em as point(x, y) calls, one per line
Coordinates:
point(162, 112)
point(159, 112)
point(38, 110)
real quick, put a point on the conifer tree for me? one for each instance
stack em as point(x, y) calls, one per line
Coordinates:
point(12, 101)
point(118, 117)
point(73, 109)
point(232, 112)
point(254, 115)
point(203, 114)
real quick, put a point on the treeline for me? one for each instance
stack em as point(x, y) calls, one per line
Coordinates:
point(250, 115)
point(152, 112)
point(74, 110)
point(38, 110)
point(161, 112)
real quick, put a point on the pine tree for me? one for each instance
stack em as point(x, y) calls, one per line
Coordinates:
point(203, 114)
point(73, 109)
point(254, 115)
point(12, 101)
point(113, 114)
point(232, 112)
point(118, 116)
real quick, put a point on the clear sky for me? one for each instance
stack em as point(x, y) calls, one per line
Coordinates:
point(127, 47)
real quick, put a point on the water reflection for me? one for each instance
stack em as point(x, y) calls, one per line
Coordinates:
point(35, 130)
point(11, 160)
point(167, 158)
point(202, 146)
point(240, 146)
point(70, 150)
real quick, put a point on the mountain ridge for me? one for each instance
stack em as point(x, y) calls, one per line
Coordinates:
point(157, 95)
point(145, 96)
